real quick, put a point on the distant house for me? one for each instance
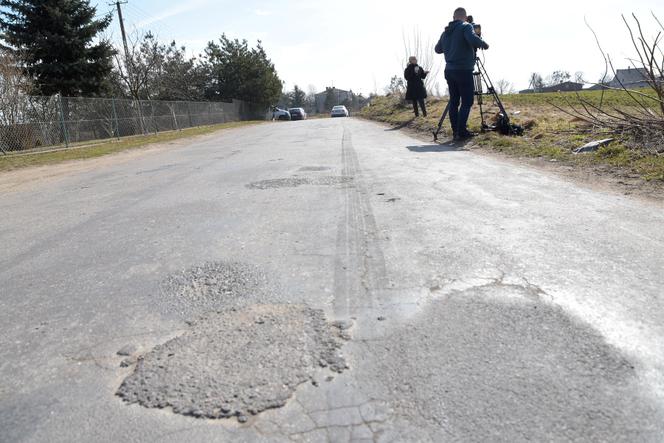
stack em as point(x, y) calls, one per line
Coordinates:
point(630, 78)
point(564, 87)
point(340, 97)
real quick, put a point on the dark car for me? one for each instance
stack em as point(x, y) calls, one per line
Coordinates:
point(297, 114)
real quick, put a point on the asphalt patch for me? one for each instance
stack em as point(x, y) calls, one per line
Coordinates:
point(294, 182)
point(237, 363)
point(492, 364)
point(214, 286)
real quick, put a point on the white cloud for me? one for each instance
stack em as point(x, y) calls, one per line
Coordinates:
point(172, 12)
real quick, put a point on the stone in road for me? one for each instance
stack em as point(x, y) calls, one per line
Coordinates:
point(488, 301)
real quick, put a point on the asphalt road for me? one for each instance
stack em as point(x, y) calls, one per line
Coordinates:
point(479, 300)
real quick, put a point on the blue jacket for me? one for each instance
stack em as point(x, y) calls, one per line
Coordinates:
point(459, 43)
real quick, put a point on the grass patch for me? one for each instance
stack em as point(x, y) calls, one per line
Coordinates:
point(553, 135)
point(18, 160)
point(608, 98)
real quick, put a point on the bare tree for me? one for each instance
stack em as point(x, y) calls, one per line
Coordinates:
point(14, 86)
point(504, 87)
point(558, 77)
point(415, 45)
point(311, 99)
point(14, 105)
point(579, 77)
point(536, 82)
point(396, 87)
point(138, 68)
point(649, 53)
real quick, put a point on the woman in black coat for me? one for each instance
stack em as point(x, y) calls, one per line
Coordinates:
point(416, 91)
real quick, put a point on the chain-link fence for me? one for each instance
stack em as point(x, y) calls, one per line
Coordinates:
point(47, 122)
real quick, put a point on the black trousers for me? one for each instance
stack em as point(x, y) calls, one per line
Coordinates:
point(422, 105)
point(462, 92)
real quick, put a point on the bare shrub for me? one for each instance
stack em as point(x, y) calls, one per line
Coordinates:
point(14, 84)
point(642, 119)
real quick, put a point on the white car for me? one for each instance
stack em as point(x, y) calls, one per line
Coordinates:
point(340, 111)
point(280, 114)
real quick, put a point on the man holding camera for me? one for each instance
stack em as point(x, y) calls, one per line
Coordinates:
point(459, 43)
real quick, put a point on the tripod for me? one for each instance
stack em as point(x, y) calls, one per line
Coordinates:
point(481, 78)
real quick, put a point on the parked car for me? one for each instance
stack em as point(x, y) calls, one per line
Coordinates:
point(340, 111)
point(280, 114)
point(298, 114)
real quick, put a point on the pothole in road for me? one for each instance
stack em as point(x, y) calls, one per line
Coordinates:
point(212, 287)
point(237, 363)
point(294, 182)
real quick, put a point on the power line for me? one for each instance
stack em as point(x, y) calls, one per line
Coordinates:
point(159, 26)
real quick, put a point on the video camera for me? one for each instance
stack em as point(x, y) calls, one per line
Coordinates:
point(476, 26)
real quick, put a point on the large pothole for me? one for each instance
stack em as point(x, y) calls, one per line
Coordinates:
point(236, 363)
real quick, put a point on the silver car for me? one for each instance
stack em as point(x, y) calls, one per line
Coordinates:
point(340, 111)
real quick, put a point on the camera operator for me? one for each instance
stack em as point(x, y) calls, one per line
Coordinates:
point(459, 43)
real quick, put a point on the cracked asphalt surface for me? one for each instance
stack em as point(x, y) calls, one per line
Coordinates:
point(479, 300)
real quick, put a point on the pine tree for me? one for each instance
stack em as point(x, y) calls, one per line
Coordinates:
point(59, 43)
point(331, 98)
point(297, 97)
point(241, 72)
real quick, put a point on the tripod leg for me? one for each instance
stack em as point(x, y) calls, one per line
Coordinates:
point(440, 123)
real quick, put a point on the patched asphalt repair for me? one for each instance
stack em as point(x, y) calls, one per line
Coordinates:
point(236, 359)
point(236, 363)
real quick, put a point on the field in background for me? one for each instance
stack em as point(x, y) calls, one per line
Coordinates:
point(553, 135)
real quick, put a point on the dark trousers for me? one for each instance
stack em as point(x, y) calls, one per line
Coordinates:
point(422, 105)
point(462, 92)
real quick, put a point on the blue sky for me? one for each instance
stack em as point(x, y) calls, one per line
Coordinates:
point(358, 44)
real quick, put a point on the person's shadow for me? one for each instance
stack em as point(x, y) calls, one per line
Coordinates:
point(449, 146)
point(401, 125)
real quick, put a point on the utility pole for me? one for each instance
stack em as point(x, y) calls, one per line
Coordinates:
point(118, 4)
point(128, 60)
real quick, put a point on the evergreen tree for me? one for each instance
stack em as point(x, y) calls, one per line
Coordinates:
point(297, 97)
point(181, 77)
point(240, 72)
point(59, 43)
point(331, 98)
